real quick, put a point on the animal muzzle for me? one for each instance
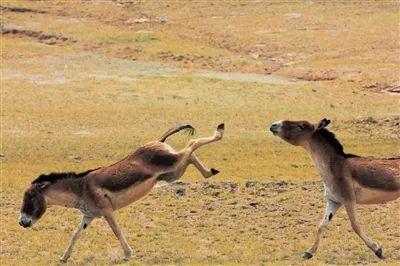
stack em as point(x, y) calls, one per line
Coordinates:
point(25, 220)
point(275, 127)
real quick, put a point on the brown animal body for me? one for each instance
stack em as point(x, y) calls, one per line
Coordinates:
point(348, 179)
point(99, 192)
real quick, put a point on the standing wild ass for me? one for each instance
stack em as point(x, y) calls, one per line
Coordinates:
point(99, 192)
point(348, 179)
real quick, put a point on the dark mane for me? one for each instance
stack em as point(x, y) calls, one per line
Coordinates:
point(333, 141)
point(53, 177)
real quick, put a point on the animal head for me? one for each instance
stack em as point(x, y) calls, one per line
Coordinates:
point(33, 204)
point(297, 132)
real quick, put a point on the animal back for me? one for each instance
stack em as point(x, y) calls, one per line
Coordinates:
point(122, 176)
point(383, 174)
point(155, 154)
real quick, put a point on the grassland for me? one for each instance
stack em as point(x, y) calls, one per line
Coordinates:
point(123, 73)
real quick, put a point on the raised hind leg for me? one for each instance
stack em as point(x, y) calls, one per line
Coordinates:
point(197, 143)
point(83, 225)
point(354, 224)
point(204, 171)
point(187, 157)
point(331, 209)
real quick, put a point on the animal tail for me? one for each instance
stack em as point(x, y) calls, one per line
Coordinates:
point(176, 129)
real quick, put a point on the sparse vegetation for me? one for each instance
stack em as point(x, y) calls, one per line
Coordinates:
point(130, 70)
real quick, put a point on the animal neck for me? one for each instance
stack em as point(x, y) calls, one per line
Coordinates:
point(319, 146)
point(64, 192)
point(324, 154)
point(324, 142)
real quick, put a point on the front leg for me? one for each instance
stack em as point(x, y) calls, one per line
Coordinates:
point(354, 224)
point(331, 209)
point(204, 171)
point(83, 225)
point(114, 226)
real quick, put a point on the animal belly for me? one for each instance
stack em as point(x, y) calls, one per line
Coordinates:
point(133, 193)
point(168, 177)
point(373, 196)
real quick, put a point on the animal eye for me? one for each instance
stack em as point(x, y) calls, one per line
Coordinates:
point(303, 126)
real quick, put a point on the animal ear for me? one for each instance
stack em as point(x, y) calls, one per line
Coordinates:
point(323, 123)
point(43, 184)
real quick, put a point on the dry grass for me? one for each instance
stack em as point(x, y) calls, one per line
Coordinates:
point(90, 101)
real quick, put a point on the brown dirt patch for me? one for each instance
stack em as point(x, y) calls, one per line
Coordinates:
point(20, 10)
point(38, 35)
point(391, 124)
point(384, 87)
point(311, 74)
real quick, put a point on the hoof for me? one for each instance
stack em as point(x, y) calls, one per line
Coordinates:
point(379, 254)
point(128, 254)
point(221, 127)
point(214, 171)
point(63, 259)
point(307, 255)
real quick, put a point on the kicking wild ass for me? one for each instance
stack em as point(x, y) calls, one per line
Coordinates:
point(348, 179)
point(99, 192)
